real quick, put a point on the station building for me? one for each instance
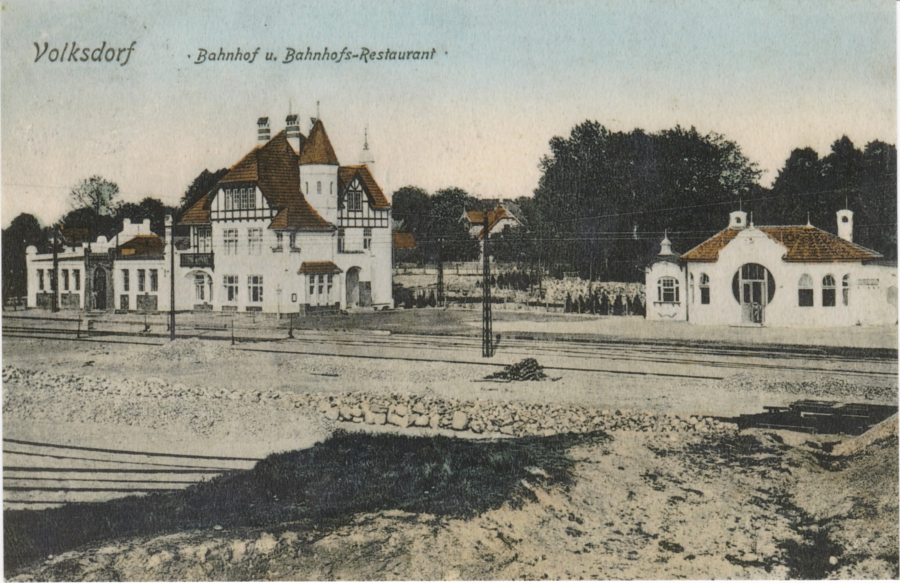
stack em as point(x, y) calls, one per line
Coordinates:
point(286, 230)
point(778, 276)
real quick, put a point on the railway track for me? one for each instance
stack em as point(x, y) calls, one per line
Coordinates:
point(673, 360)
point(39, 475)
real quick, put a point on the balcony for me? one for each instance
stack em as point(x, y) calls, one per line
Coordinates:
point(197, 260)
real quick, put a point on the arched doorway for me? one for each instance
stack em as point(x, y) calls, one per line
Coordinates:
point(201, 282)
point(753, 287)
point(98, 291)
point(352, 282)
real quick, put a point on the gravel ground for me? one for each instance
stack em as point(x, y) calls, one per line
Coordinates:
point(673, 495)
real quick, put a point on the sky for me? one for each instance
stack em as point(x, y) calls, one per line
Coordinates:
point(506, 77)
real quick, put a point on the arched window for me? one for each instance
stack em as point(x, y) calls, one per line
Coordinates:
point(667, 289)
point(828, 291)
point(846, 288)
point(805, 291)
point(704, 288)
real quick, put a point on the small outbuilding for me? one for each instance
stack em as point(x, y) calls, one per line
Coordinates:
point(780, 276)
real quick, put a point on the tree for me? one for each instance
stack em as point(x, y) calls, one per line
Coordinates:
point(605, 197)
point(445, 230)
point(810, 188)
point(24, 230)
point(95, 193)
point(201, 185)
point(149, 208)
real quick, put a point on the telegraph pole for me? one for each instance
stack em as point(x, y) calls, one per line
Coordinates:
point(487, 343)
point(171, 228)
point(54, 280)
point(440, 273)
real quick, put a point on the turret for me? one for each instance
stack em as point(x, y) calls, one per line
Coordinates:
point(737, 220)
point(319, 172)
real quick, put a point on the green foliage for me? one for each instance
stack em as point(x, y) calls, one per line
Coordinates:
point(201, 185)
point(813, 188)
point(436, 222)
point(603, 192)
point(96, 193)
point(24, 230)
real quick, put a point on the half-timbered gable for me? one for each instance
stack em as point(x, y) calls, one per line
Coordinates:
point(361, 202)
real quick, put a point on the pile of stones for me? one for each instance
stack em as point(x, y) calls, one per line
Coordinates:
point(515, 419)
point(526, 370)
point(500, 418)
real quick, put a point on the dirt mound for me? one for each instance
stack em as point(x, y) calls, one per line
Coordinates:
point(887, 428)
point(188, 351)
point(526, 370)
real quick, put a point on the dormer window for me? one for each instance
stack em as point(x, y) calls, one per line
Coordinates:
point(354, 200)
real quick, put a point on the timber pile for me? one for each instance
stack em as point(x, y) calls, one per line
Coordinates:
point(526, 370)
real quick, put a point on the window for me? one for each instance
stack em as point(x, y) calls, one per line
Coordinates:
point(65, 274)
point(278, 241)
point(255, 288)
point(805, 291)
point(319, 187)
point(76, 276)
point(354, 200)
point(154, 280)
point(294, 245)
point(254, 241)
point(367, 238)
point(203, 239)
point(231, 288)
point(312, 286)
point(340, 240)
point(231, 241)
point(229, 200)
point(200, 287)
point(142, 279)
point(41, 279)
point(330, 281)
point(704, 288)
point(845, 283)
point(126, 282)
point(828, 291)
point(321, 284)
point(667, 289)
point(306, 187)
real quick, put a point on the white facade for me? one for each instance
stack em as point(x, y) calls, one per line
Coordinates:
point(324, 242)
point(275, 235)
point(124, 273)
point(752, 281)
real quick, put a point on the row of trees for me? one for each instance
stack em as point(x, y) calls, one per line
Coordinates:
point(606, 198)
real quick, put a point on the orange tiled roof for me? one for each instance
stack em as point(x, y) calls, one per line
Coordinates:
point(346, 174)
point(273, 167)
point(708, 251)
point(141, 245)
point(317, 149)
point(198, 213)
point(316, 267)
point(804, 244)
point(812, 245)
point(494, 217)
point(403, 240)
point(299, 215)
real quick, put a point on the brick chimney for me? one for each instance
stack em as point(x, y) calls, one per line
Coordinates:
point(263, 132)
